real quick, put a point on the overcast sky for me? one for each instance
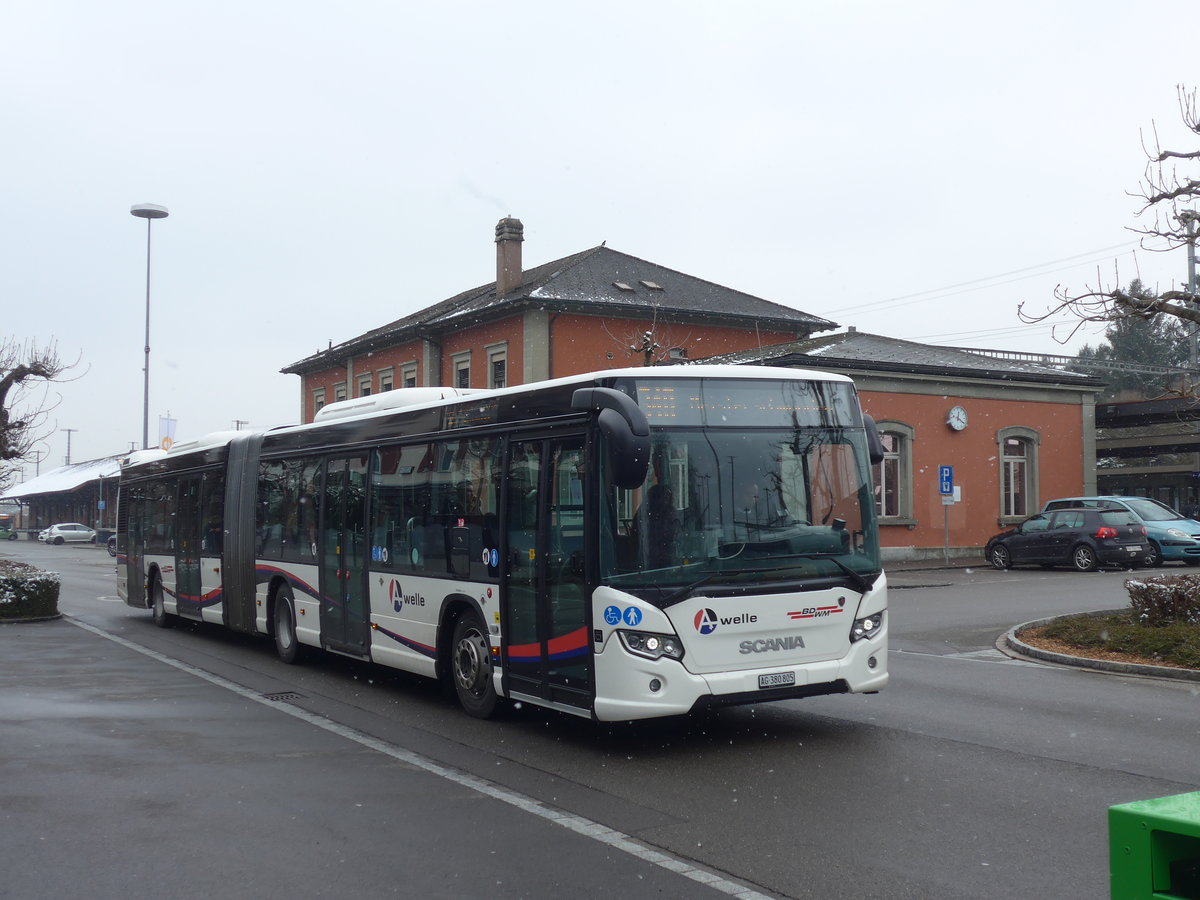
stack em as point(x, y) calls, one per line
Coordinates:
point(913, 169)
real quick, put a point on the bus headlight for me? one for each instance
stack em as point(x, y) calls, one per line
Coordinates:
point(650, 645)
point(865, 628)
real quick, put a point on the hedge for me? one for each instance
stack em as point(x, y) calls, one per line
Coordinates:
point(1163, 600)
point(27, 592)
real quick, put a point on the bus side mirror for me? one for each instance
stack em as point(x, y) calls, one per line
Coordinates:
point(874, 442)
point(625, 429)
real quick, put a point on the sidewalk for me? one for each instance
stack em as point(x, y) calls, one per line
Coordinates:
point(955, 561)
point(124, 773)
point(936, 572)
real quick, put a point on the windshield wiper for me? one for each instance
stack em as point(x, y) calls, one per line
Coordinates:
point(686, 590)
point(859, 582)
point(855, 577)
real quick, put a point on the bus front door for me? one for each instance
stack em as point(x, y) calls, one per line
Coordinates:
point(344, 619)
point(547, 650)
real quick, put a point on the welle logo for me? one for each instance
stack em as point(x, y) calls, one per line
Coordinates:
point(707, 620)
point(398, 598)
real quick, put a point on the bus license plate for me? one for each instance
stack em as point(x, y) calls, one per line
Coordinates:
point(776, 679)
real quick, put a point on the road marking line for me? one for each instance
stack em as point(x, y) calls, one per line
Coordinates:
point(580, 825)
point(985, 656)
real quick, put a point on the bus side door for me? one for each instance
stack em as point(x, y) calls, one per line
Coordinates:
point(344, 619)
point(188, 596)
point(545, 608)
point(132, 529)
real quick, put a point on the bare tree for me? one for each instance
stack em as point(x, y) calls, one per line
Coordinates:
point(654, 344)
point(26, 371)
point(1167, 195)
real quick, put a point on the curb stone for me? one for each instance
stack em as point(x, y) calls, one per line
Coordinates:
point(27, 619)
point(1010, 642)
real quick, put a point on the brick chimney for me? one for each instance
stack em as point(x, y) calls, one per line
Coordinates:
point(509, 235)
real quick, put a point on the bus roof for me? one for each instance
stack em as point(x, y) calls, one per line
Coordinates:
point(366, 408)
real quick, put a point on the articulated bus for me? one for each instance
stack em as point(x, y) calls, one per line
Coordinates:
point(621, 545)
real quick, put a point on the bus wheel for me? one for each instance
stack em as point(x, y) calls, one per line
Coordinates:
point(286, 644)
point(162, 618)
point(472, 667)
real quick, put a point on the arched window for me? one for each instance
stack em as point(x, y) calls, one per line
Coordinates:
point(893, 476)
point(1018, 472)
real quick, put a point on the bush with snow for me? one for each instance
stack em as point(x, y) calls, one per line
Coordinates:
point(27, 592)
point(1163, 600)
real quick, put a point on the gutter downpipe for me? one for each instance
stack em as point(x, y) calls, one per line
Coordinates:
point(429, 339)
point(550, 346)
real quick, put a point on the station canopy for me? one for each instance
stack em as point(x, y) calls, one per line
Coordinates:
point(65, 479)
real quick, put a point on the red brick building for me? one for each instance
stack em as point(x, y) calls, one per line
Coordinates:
point(1016, 434)
point(1021, 433)
point(598, 309)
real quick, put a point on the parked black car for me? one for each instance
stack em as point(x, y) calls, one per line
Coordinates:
point(1083, 538)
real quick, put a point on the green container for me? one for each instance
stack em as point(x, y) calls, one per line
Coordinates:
point(1154, 849)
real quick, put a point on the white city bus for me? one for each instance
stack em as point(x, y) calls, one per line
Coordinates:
point(619, 545)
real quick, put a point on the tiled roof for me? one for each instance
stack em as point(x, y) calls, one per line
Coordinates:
point(599, 281)
point(873, 352)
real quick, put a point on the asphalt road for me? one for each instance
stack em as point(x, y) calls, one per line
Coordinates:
point(972, 775)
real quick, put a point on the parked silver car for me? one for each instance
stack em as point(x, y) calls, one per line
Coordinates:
point(67, 532)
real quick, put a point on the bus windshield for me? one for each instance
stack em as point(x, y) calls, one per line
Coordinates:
point(744, 489)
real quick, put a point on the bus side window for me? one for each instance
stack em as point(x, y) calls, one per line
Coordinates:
point(474, 473)
point(269, 509)
point(161, 538)
point(400, 505)
point(212, 504)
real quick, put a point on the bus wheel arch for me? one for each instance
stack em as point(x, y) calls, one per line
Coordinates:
point(454, 607)
point(157, 601)
point(468, 658)
point(281, 621)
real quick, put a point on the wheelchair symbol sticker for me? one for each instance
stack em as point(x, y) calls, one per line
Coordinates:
point(612, 615)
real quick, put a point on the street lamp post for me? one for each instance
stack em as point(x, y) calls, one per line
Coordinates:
point(69, 432)
point(147, 211)
point(1188, 218)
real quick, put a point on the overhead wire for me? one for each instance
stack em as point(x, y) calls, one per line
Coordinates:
point(985, 282)
point(957, 337)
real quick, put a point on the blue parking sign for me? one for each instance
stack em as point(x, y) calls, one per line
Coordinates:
point(945, 479)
